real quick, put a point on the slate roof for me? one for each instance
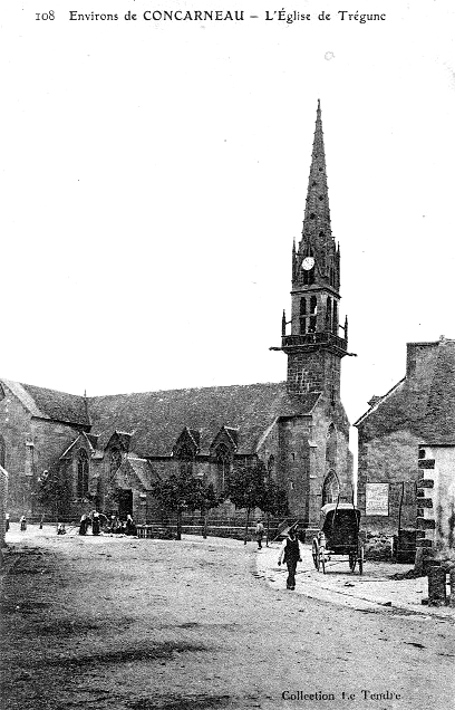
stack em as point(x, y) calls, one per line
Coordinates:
point(60, 406)
point(143, 471)
point(51, 404)
point(158, 418)
point(423, 403)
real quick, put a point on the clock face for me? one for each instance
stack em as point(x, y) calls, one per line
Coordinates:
point(308, 263)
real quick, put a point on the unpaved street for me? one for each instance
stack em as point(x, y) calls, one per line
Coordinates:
point(141, 624)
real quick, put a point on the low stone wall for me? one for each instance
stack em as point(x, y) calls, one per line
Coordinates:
point(169, 531)
point(378, 547)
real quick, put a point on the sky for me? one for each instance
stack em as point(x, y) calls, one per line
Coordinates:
point(153, 177)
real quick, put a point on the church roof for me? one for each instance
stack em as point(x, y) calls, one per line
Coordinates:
point(423, 402)
point(158, 418)
point(51, 404)
point(142, 469)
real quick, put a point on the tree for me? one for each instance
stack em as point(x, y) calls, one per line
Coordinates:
point(250, 487)
point(209, 500)
point(181, 492)
point(274, 502)
point(246, 488)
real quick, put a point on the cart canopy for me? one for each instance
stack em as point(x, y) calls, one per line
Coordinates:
point(340, 524)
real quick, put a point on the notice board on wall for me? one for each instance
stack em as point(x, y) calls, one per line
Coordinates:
point(377, 499)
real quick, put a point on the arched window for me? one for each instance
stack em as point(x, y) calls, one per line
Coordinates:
point(312, 327)
point(330, 488)
point(115, 459)
point(223, 462)
point(82, 473)
point(328, 315)
point(303, 316)
point(308, 277)
point(186, 456)
point(335, 318)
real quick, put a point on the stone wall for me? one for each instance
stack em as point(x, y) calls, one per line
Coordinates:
point(293, 463)
point(31, 445)
point(388, 459)
point(322, 460)
point(15, 429)
point(435, 504)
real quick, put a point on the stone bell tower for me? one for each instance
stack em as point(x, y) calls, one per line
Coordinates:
point(316, 342)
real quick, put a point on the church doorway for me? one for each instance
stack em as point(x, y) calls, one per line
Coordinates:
point(125, 502)
point(330, 488)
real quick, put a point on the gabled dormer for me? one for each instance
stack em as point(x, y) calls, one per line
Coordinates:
point(116, 450)
point(187, 445)
point(225, 443)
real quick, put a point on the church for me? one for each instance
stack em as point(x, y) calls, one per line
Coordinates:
point(106, 451)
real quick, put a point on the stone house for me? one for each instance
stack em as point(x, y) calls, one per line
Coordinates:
point(106, 451)
point(419, 408)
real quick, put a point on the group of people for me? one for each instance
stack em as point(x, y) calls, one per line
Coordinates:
point(115, 526)
point(118, 527)
point(86, 521)
point(128, 527)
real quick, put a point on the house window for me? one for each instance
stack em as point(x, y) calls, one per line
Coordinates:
point(82, 473)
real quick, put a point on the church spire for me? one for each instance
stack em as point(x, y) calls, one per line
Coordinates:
point(317, 342)
point(316, 231)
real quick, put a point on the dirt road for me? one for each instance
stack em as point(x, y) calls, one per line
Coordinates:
point(131, 624)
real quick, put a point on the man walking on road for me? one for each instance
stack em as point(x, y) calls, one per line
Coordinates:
point(259, 533)
point(290, 554)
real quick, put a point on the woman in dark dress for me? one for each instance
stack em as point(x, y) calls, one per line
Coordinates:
point(130, 527)
point(83, 523)
point(96, 524)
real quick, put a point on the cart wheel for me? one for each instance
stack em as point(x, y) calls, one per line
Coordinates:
point(352, 560)
point(315, 553)
point(322, 559)
point(361, 558)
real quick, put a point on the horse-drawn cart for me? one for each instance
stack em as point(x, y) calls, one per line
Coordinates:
point(338, 535)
